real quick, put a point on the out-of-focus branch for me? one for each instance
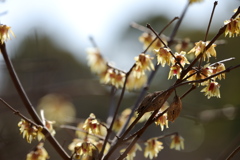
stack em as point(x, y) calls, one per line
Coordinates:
point(28, 104)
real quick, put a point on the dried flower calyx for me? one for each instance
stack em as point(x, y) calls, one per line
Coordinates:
point(152, 102)
point(174, 109)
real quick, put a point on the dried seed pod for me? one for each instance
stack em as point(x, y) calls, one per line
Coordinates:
point(151, 102)
point(174, 109)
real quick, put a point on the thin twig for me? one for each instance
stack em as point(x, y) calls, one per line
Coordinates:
point(28, 104)
point(159, 34)
point(150, 78)
point(205, 79)
point(190, 90)
point(220, 32)
point(141, 131)
point(93, 42)
point(18, 113)
point(209, 24)
point(124, 154)
point(222, 61)
point(19, 87)
point(81, 130)
point(166, 135)
point(210, 20)
point(115, 113)
point(234, 152)
point(120, 140)
point(149, 26)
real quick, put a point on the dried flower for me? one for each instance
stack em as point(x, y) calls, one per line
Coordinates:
point(4, 33)
point(135, 82)
point(200, 47)
point(204, 72)
point(99, 145)
point(174, 109)
point(180, 57)
point(233, 27)
point(177, 142)
point(120, 120)
point(114, 77)
point(96, 62)
point(175, 70)
point(147, 38)
point(79, 132)
point(193, 75)
point(143, 62)
point(92, 125)
point(219, 67)
point(183, 45)
point(28, 130)
point(75, 141)
point(39, 153)
point(163, 56)
point(84, 149)
point(153, 147)
point(132, 153)
point(117, 125)
point(211, 89)
point(162, 120)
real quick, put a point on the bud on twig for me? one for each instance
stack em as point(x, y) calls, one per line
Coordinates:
point(174, 109)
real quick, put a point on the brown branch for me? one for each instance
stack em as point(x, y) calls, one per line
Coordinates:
point(144, 90)
point(166, 135)
point(19, 87)
point(209, 24)
point(81, 130)
point(124, 154)
point(205, 79)
point(28, 104)
point(159, 34)
point(149, 26)
point(210, 20)
point(220, 32)
point(142, 130)
point(233, 153)
point(16, 112)
point(190, 90)
point(115, 113)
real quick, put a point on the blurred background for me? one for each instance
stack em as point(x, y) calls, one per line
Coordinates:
point(49, 56)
